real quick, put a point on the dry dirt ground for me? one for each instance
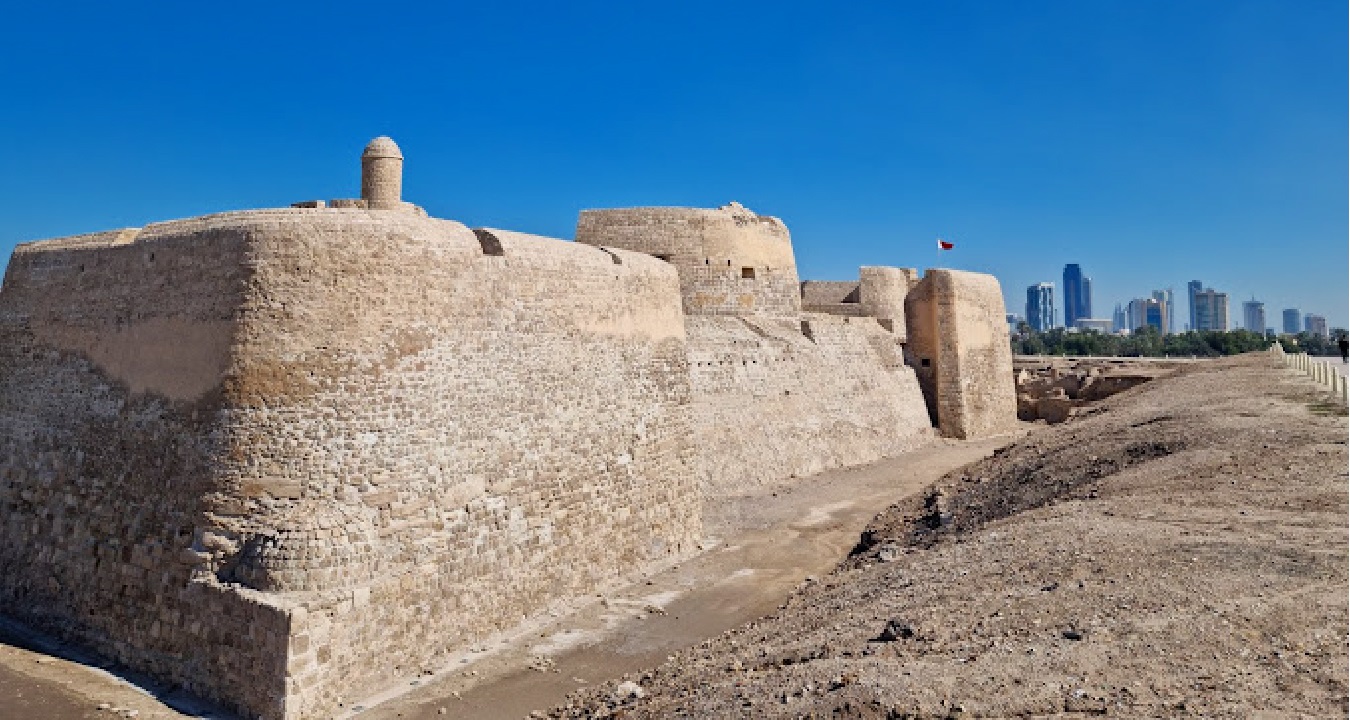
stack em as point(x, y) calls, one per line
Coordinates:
point(1179, 550)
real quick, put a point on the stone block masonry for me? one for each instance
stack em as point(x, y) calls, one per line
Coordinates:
point(376, 444)
point(287, 458)
point(879, 293)
point(961, 353)
point(775, 399)
point(731, 260)
point(112, 351)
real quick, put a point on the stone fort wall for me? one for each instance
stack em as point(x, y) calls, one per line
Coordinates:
point(777, 393)
point(389, 442)
point(731, 261)
point(961, 353)
point(879, 293)
point(288, 458)
point(112, 424)
point(777, 399)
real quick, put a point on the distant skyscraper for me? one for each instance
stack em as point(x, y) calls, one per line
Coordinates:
point(1315, 324)
point(1192, 288)
point(1145, 312)
point(1118, 319)
point(1165, 297)
point(1041, 306)
point(1211, 310)
point(1134, 315)
point(1155, 315)
point(1077, 295)
point(1013, 321)
point(1254, 316)
point(1292, 321)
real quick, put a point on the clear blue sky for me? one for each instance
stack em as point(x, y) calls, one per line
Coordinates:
point(1151, 142)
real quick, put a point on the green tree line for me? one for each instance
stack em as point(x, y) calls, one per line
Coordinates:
point(1148, 342)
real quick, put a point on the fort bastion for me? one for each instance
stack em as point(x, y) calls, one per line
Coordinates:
point(287, 458)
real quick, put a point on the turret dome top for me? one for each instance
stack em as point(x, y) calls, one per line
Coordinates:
point(382, 147)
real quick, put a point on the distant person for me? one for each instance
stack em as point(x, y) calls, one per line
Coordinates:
point(1345, 349)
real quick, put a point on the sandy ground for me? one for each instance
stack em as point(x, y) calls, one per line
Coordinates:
point(1178, 551)
point(759, 547)
point(41, 679)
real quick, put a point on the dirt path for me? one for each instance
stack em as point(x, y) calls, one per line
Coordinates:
point(43, 680)
point(759, 548)
point(25, 697)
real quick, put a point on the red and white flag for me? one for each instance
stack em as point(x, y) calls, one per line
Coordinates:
point(944, 245)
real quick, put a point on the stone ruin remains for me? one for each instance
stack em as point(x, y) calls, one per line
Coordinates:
point(287, 458)
point(1054, 389)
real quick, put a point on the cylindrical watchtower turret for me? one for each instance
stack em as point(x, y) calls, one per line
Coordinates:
point(382, 175)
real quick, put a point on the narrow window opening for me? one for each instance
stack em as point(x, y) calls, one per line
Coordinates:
point(748, 273)
point(925, 362)
point(490, 244)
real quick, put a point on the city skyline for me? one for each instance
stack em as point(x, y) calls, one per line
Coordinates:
point(1169, 300)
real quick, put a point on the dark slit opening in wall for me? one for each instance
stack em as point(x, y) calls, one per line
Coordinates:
point(748, 273)
point(490, 243)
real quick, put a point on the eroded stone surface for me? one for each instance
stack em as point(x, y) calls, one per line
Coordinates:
point(287, 457)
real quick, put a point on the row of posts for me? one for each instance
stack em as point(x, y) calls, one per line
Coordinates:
point(1322, 372)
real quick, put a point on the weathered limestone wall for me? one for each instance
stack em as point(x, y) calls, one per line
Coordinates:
point(412, 444)
point(829, 292)
point(112, 355)
point(882, 291)
point(777, 394)
point(879, 293)
point(777, 399)
point(958, 346)
point(287, 458)
point(731, 261)
point(833, 297)
point(482, 434)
